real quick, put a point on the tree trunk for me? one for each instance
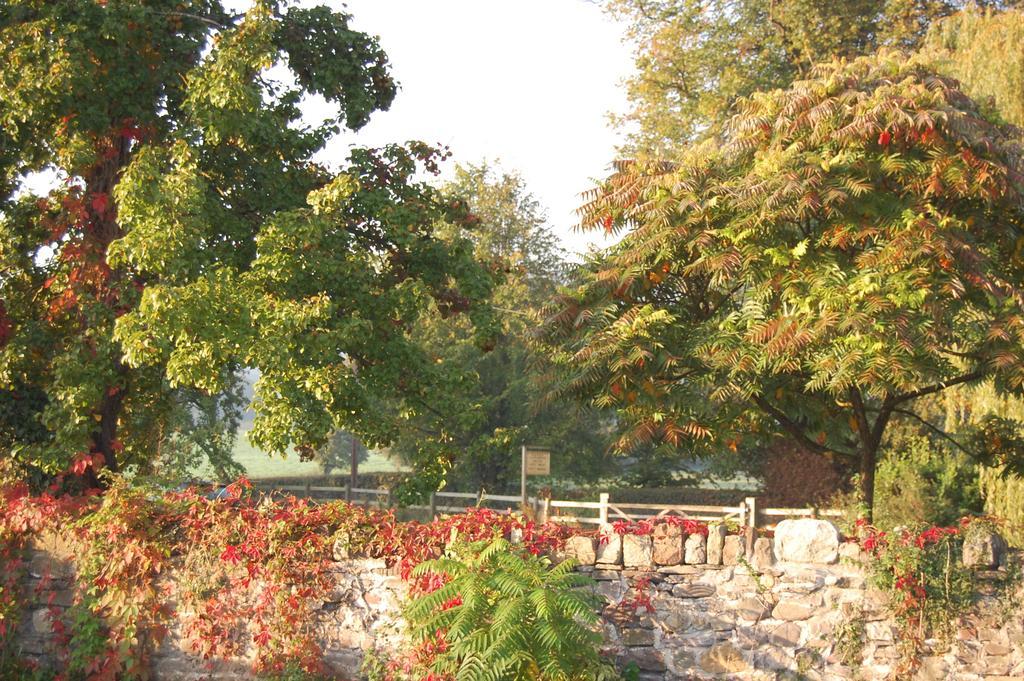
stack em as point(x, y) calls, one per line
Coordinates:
point(106, 435)
point(353, 475)
point(868, 459)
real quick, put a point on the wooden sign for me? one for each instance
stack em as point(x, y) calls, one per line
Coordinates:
point(537, 461)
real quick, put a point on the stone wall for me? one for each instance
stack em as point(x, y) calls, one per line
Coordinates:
point(781, 614)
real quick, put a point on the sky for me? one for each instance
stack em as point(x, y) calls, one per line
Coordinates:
point(527, 83)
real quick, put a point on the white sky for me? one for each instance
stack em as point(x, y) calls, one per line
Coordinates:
point(528, 83)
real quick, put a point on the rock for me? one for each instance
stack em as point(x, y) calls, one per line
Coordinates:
point(732, 550)
point(675, 620)
point(786, 635)
point(932, 669)
point(724, 658)
point(339, 550)
point(609, 546)
point(879, 631)
point(716, 542)
point(581, 549)
point(693, 590)
point(983, 549)
point(753, 609)
point(42, 622)
point(850, 551)
point(637, 637)
point(679, 570)
point(668, 544)
point(611, 591)
point(762, 557)
point(637, 551)
point(792, 611)
point(646, 659)
point(695, 551)
point(806, 540)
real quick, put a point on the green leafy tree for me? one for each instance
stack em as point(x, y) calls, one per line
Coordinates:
point(336, 454)
point(198, 434)
point(694, 60)
point(498, 406)
point(982, 50)
point(190, 230)
point(852, 247)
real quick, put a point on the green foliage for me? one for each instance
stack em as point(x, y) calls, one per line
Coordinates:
point(516, 617)
point(1004, 498)
point(982, 49)
point(695, 60)
point(923, 482)
point(191, 233)
point(498, 406)
point(199, 433)
point(851, 247)
point(337, 453)
point(1001, 487)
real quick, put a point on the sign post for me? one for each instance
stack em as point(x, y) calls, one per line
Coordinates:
point(535, 462)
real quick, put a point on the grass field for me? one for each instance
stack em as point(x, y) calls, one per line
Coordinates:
point(259, 464)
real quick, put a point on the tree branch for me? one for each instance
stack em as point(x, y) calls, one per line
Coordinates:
point(935, 429)
point(793, 428)
point(938, 387)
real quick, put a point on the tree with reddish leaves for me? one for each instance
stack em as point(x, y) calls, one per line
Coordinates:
point(849, 246)
point(183, 229)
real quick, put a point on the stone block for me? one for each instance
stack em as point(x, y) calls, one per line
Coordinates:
point(674, 570)
point(339, 550)
point(753, 609)
point(983, 549)
point(668, 544)
point(806, 540)
point(732, 550)
point(792, 610)
point(42, 622)
point(762, 557)
point(695, 552)
point(609, 546)
point(932, 669)
point(716, 543)
point(693, 590)
point(583, 550)
point(786, 635)
point(851, 552)
point(724, 658)
point(637, 551)
point(634, 637)
point(879, 631)
point(646, 659)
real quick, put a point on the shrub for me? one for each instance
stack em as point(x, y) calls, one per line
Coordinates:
point(926, 583)
point(921, 482)
point(500, 613)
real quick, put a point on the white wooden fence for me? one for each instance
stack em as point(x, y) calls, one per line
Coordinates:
point(747, 514)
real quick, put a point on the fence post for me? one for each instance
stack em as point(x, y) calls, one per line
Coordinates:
point(307, 486)
point(348, 493)
point(388, 502)
point(751, 524)
point(433, 505)
point(545, 509)
point(603, 511)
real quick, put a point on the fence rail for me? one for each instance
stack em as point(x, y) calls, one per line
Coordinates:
point(747, 514)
